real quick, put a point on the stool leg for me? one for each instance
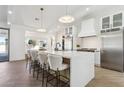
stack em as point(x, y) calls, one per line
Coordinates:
point(38, 73)
point(33, 71)
point(26, 64)
point(30, 68)
point(47, 77)
point(58, 78)
point(43, 77)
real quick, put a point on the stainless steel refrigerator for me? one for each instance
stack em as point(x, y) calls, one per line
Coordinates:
point(112, 51)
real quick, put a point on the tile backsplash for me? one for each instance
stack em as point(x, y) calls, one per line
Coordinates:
point(90, 42)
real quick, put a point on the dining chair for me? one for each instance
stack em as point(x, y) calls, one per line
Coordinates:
point(56, 65)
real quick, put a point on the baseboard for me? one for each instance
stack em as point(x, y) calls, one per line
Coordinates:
point(17, 60)
point(97, 65)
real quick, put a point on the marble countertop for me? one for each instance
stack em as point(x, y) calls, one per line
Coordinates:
point(67, 54)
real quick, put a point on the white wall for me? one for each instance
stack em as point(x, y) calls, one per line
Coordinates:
point(4, 25)
point(17, 44)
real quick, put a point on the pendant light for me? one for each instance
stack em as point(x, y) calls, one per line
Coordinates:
point(41, 29)
point(67, 18)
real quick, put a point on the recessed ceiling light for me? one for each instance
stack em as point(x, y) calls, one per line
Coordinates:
point(8, 23)
point(9, 12)
point(41, 30)
point(87, 9)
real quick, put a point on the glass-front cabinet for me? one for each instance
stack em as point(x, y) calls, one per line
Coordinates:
point(110, 22)
point(117, 20)
point(69, 31)
point(68, 39)
point(106, 22)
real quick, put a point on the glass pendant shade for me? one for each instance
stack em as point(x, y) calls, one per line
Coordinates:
point(66, 19)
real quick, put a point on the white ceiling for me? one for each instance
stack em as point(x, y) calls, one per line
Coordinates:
point(3, 13)
point(26, 14)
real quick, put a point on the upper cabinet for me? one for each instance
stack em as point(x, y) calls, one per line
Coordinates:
point(70, 31)
point(117, 20)
point(111, 22)
point(87, 28)
point(106, 22)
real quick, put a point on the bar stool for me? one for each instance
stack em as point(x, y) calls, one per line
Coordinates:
point(28, 58)
point(56, 65)
point(34, 64)
point(43, 65)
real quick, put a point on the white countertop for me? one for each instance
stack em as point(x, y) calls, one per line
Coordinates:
point(67, 54)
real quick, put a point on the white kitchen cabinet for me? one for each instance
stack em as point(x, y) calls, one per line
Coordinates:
point(117, 20)
point(112, 21)
point(106, 22)
point(70, 34)
point(70, 31)
point(87, 28)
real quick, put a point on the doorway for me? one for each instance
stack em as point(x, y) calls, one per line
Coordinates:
point(4, 44)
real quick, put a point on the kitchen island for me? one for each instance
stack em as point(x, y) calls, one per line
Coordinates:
point(81, 66)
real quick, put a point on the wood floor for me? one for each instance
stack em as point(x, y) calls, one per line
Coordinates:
point(107, 78)
point(15, 74)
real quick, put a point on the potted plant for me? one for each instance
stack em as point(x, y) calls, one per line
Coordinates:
point(32, 42)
